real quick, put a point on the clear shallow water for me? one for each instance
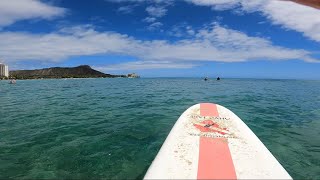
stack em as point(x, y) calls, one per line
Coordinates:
point(113, 128)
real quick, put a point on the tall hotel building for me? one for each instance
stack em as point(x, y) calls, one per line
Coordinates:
point(4, 70)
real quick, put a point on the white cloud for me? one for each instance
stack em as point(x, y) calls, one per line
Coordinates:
point(287, 14)
point(156, 11)
point(190, 31)
point(182, 30)
point(126, 9)
point(122, 1)
point(142, 1)
point(138, 65)
point(149, 19)
point(155, 8)
point(216, 4)
point(154, 26)
point(60, 45)
point(15, 10)
point(294, 16)
point(221, 44)
point(212, 44)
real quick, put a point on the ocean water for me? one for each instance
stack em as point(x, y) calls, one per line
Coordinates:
point(113, 128)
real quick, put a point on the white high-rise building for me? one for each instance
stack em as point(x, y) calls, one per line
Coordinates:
point(4, 70)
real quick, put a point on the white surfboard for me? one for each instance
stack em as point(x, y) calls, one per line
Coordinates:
point(210, 142)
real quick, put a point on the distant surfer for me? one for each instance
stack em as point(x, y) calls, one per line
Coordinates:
point(12, 81)
point(206, 79)
point(218, 79)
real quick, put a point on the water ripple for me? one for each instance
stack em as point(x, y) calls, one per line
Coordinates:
point(113, 128)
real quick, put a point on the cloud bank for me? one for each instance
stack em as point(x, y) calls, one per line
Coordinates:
point(12, 11)
point(138, 65)
point(287, 14)
point(216, 43)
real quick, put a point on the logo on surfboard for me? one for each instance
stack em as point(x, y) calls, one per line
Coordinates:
point(211, 126)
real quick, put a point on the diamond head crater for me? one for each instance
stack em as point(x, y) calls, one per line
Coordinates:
point(83, 71)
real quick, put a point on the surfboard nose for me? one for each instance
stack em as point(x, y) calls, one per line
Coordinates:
point(209, 141)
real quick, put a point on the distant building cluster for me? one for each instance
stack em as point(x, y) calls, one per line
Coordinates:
point(133, 75)
point(4, 70)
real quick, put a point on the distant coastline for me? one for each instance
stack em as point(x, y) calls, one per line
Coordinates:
point(83, 71)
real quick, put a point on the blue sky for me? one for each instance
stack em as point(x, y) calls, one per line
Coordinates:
point(164, 38)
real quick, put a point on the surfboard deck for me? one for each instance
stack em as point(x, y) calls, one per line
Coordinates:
point(209, 141)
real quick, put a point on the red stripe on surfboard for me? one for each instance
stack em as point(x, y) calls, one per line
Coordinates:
point(215, 161)
point(208, 109)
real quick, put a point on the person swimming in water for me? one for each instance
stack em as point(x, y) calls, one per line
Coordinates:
point(12, 81)
point(218, 78)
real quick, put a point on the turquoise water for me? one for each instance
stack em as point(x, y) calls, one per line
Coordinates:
point(113, 128)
